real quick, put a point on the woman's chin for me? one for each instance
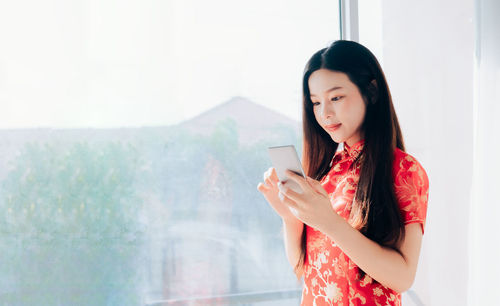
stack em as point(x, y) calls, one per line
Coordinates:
point(336, 138)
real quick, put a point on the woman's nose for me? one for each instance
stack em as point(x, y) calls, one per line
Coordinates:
point(326, 110)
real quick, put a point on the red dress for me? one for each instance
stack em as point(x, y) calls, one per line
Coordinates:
point(329, 275)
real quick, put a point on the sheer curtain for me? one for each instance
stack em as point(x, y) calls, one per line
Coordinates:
point(484, 250)
point(441, 60)
point(428, 56)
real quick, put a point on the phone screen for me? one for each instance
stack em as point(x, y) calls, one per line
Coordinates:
point(286, 158)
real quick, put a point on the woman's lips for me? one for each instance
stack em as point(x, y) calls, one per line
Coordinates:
point(333, 127)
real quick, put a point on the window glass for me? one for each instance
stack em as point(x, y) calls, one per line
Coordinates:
point(133, 136)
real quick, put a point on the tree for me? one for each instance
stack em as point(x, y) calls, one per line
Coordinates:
point(70, 227)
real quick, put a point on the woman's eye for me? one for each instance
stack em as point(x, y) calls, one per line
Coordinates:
point(334, 99)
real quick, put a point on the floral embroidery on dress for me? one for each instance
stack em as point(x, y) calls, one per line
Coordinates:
point(330, 276)
point(412, 189)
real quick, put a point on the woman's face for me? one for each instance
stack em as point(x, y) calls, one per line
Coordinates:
point(337, 101)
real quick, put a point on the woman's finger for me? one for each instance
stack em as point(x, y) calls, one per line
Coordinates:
point(263, 188)
point(288, 201)
point(313, 181)
point(319, 189)
point(270, 182)
point(290, 193)
point(274, 175)
point(317, 185)
point(266, 174)
point(304, 185)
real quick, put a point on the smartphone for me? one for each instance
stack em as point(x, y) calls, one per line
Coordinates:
point(283, 158)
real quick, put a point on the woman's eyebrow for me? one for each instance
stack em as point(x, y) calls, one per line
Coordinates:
point(331, 89)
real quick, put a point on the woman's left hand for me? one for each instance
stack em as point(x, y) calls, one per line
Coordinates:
point(313, 206)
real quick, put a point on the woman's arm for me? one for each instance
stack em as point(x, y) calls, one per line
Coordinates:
point(390, 268)
point(385, 265)
point(292, 232)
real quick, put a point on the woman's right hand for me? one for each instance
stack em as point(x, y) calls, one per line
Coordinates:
point(271, 192)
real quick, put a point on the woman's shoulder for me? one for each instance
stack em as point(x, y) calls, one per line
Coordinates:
point(407, 165)
point(405, 159)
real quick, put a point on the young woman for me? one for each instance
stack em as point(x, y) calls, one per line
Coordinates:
point(355, 232)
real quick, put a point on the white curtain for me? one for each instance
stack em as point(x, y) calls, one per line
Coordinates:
point(428, 58)
point(441, 59)
point(484, 243)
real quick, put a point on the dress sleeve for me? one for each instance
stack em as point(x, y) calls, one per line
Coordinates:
point(411, 186)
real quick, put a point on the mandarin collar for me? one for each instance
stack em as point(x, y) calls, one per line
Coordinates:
point(355, 149)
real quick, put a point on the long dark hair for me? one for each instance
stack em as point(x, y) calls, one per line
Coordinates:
point(374, 212)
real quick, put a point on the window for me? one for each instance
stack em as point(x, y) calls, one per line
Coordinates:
point(133, 136)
